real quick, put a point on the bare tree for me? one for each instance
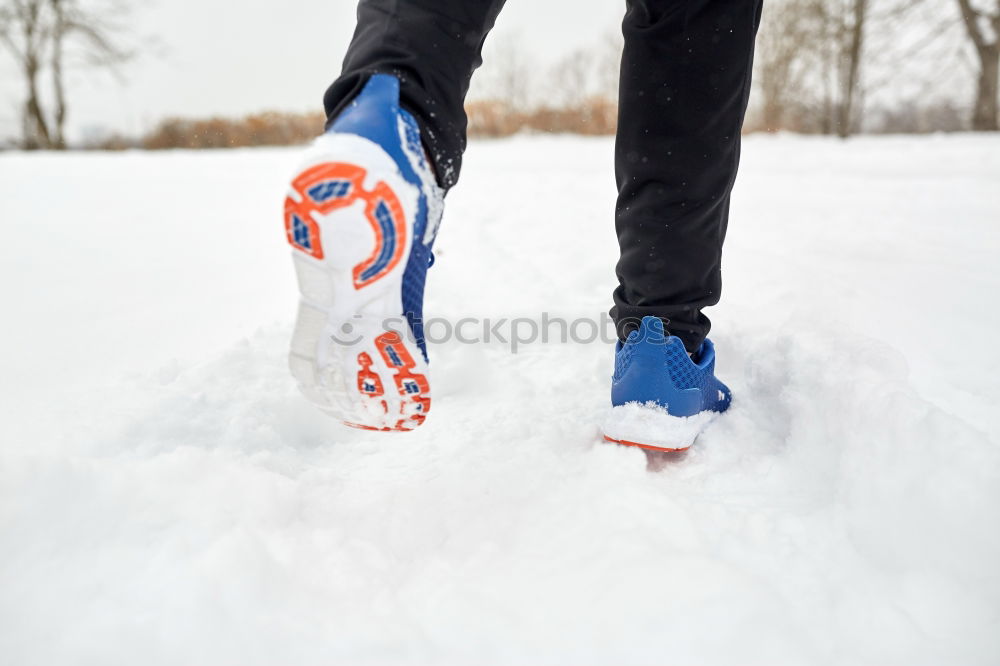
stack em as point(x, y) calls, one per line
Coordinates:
point(983, 28)
point(97, 32)
point(506, 75)
point(586, 73)
point(26, 34)
point(820, 63)
point(41, 34)
point(781, 60)
point(570, 80)
point(810, 57)
point(838, 34)
point(850, 65)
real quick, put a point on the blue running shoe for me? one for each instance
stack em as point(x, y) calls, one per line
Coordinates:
point(662, 398)
point(361, 216)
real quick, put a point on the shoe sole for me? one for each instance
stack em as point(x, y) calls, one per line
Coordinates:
point(349, 219)
point(648, 447)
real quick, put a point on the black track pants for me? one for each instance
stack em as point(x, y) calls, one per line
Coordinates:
point(684, 86)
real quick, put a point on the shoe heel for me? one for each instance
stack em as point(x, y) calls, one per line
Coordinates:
point(350, 229)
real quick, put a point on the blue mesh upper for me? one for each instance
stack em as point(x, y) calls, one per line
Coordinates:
point(623, 358)
point(415, 275)
point(651, 366)
point(683, 372)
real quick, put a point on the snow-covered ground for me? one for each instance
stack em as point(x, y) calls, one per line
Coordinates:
point(166, 497)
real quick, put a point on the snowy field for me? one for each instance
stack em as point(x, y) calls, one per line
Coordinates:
point(166, 497)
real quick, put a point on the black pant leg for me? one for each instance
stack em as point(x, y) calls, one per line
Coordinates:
point(684, 87)
point(432, 46)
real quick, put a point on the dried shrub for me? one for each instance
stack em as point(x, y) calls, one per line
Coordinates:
point(263, 129)
point(496, 118)
point(595, 116)
point(487, 118)
point(493, 118)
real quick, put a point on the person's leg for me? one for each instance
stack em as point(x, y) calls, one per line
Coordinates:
point(432, 47)
point(685, 79)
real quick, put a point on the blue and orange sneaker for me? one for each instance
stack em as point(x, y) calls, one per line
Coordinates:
point(361, 216)
point(661, 398)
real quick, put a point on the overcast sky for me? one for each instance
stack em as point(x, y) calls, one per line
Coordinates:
point(200, 58)
point(231, 58)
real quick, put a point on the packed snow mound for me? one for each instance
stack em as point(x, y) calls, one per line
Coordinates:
point(165, 493)
point(651, 424)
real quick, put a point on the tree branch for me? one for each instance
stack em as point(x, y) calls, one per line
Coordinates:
point(971, 17)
